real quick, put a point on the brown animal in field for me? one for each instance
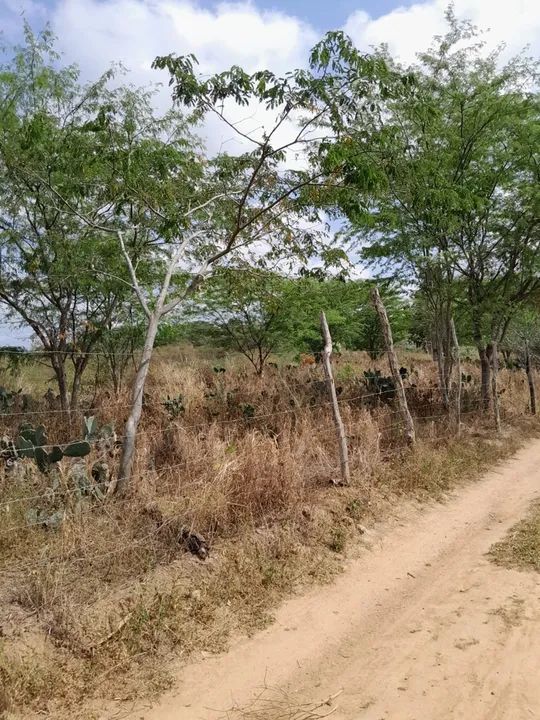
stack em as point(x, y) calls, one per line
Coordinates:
point(306, 360)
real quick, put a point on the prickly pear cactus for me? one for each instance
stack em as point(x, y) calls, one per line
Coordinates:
point(33, 443)
point(92, 432)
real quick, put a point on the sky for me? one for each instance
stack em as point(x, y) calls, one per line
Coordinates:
point(274, 34)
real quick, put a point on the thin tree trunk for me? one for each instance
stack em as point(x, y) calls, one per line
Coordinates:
point(394, 366)
point(457, 366)
point(494, 377)
point(434, 347)
point(485, 369)
point(449, 351)
point(76, 386)
point(132, 423)
point(530, 379)
point(440, 367)
point(115, 376)
point(340, 429)
point(59, 367)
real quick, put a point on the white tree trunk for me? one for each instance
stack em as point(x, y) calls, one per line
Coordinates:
point(394, 366)
point(132, 423)
point(340, 428)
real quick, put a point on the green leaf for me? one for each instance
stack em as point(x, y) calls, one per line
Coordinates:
point(77, 449)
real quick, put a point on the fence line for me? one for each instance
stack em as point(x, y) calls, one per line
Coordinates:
point(70, 493)
point(49, 495)
point(429, 417)
point(134, 542)
point(25, 353)
point(228, 421)
point(6, 350)
point(23, 413)
point(8, 531)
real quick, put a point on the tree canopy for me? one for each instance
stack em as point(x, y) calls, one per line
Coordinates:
point(106, 203)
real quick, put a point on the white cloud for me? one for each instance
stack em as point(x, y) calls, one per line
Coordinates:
point(96, 32)
point(408, 30)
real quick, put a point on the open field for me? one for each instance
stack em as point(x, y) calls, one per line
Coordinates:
point(105, 604)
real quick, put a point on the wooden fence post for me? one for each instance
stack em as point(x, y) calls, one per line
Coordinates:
point(394, 366)
point(457, 364)
point(494, 377)
point(530, 378)
point(340, 429)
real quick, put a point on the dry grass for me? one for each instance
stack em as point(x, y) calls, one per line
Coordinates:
point(277, 704)
point(521, 547)
point(111, 594)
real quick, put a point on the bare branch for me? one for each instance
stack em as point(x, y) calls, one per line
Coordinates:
point(133, 275)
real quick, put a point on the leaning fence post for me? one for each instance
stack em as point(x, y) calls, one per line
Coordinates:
point(340, 429)
point(394, 366)
point(457, 364)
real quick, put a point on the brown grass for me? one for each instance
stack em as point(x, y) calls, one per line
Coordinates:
point(94, 608)
point(521, 547)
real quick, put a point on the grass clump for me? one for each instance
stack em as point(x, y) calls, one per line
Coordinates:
point(520, 549)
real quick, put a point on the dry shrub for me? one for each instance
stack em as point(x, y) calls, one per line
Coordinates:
point(174, 380)
point(365, 443)
point(514, 392)
point(223, 478)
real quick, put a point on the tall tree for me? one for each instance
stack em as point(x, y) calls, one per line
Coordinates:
point(57, 275)
point(190, 213)
point(453, 209)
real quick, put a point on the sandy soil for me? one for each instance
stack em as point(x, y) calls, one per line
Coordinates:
point(422, 627)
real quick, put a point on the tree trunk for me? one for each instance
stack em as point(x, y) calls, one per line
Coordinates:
point(440, 367)
point(340, 429)
point(115, 376)
point(132, 423)
point(58, 363)
point(394, 366)
point(485, 369)
point(494, 377)
point(530, 379)
point(457, 366)
point(434, 347)
point(449, 357)
point(76, 385)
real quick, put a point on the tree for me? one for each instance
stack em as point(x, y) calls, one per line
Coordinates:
point(119, 345)
point(454, 193)
point(351, 318)
point(523, 340)
point(57, 275)
point(257, 312)
point(246, 310)
point(166, 201)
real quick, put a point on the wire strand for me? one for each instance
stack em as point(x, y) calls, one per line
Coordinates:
point(154, 433)
point(69, 493)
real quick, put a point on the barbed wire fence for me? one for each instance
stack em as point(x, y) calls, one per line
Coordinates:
point(65, 493)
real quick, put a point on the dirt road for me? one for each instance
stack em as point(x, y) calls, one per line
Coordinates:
point(422, 627)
